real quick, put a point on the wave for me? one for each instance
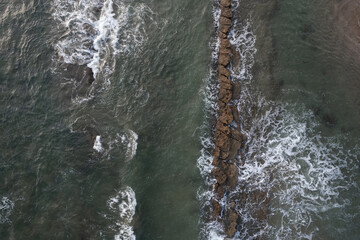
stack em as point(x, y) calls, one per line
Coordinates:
point(123, 204)
point(6, 207)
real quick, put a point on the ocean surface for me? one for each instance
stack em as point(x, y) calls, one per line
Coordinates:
point(127, 155)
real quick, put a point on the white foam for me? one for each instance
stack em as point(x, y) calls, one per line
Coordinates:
point(97, 144)
point(96, 32)
point(124, 204)
point(130, 140)
point(6, 207)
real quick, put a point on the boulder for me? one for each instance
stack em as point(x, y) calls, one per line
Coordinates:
point(223, 71)
point(225, 3)
point(219, 175)
point(232, 174)
point(216, 209)
point(224, 79)
point(224, 155)
point(226, 12)
point(222, 141)
point(224, 20)
point(225, 43)
point(225, 85)
point(89, 74)
point(215, 162)
point(224, 28)
point(224, 59)
point(223, 128)
point(231, 223)
point(225, 50)
point(235, 147)
point(219, 191)
point(225, 115)
point(216, 152)
point(222, 35)
point(225, 95)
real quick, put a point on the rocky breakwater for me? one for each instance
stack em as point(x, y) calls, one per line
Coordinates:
point(229, 140)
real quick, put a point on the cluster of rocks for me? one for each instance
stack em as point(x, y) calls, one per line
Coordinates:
point(228, 137)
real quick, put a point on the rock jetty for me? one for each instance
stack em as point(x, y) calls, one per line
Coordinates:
point(229, 140)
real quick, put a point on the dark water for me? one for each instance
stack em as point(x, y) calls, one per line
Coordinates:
point(128, 156)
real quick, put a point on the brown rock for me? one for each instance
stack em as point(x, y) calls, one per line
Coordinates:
point(221, 104)
point(224, 155)
point(216, 152)
point(232, 174)
point(225, 115)
point(226, 12)
point(216, 209)
point(237, 135)
point(225, 3)
point(224, 28)
point(224, 59)
point(231, 223)
point(222, 35)
point(224, 79)
point(222, 141)
point(223, 71)
point(235, 112)
point(225, 95)
point(224, 20)
point(225, 43)
point(225, 50)
point(235, 146)
point(219, 175)
point(225, 86)
point(223, 128)
point(219, 191)
point(215, 161)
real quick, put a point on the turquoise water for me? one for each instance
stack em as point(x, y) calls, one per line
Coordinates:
point(129, 155)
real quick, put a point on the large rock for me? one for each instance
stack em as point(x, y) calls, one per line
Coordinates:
point(223, 71)
point(231, 223)
point(222, 141)
point(226, 12)
point(222, 35)
point(219, 175)
point(216, 209)
point(224, 28)
point(225, 86)
point(225, 43)
point(235, 147)
point(223, 128)
point(224, 59)
point(219, 191)
point(225, 50)
point(225, 3)
point(225, 95)
point(225, 115)
point(224, 20)
point(89, 74)
point(232, 175)
point(224, 79)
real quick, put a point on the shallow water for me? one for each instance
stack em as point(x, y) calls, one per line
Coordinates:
point(128, 156)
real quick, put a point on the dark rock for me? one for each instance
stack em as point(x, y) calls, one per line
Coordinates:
point(224, 59)
point(219, 191)
point(231, 223)
point(222, 141)
point(226, 115)
point(232, 174)
point(223, 71)
point(237, 135)
point(225, 3)
point(225, 95)
point(219, 175)
point(223, 128)
point(216, 209)
point(89, 76)
point(226, 12)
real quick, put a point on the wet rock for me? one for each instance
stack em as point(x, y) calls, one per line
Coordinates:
point(216, 152)
point(225, 95)
point(224, 155)
point(225, 43)
point(225, 50)
point(236, 90)
point(223, 128)
point(226, 12)
point(225, 85)
point(237, 135)
point(221, 104)
point(222, 141)
point(235, 147)
point(224, 28)
point(216, 209)
point(219, 175)
point(89, 74)
point(224, 20)
point(224, 59)
point(231, 223)
point(223, 71)
point(232, 174)
point(225, 3)
point(215, 162)
point(224, 79)
point(219, 191)
point(226, 116)
point(222, 35)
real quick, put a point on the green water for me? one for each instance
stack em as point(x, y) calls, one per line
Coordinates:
point(299, 108)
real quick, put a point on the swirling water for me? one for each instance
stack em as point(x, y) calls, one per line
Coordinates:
point(128, 156)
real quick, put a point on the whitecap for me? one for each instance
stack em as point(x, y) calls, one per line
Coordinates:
point(97, 144)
